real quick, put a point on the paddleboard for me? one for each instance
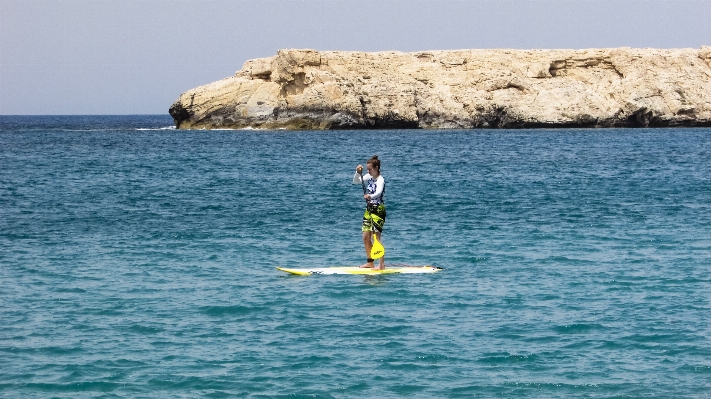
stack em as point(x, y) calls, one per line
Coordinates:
point(358, 270)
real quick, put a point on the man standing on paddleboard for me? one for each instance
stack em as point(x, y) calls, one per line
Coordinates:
point(374, 216)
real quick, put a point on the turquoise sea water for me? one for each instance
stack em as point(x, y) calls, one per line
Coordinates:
point(138, 261)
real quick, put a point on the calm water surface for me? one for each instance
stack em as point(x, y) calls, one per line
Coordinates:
point(138, 261)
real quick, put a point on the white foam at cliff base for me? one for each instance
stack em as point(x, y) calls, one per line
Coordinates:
point(158, 128)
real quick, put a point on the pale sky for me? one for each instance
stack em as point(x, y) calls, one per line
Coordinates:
point(137, 56)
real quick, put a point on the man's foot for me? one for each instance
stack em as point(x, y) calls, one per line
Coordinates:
point(369, 265)
point(379, 267)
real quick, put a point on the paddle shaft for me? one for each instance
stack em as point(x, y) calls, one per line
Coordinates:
point(362, 183)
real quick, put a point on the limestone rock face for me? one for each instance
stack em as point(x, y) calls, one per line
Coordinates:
point(462, 89)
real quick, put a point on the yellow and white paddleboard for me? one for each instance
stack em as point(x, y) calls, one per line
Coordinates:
point(359, 270)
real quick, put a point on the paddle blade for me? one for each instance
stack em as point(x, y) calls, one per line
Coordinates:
point(378, 251)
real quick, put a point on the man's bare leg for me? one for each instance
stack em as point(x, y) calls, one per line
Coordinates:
point(368, 243)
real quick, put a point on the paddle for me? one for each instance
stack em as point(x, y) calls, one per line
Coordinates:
point(377, 251)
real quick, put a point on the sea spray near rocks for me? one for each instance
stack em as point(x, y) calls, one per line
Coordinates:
point(308, 89)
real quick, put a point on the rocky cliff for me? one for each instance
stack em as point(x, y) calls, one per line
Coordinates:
point(307, 89)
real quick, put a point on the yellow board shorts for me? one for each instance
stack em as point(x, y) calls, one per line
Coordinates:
point(374, 218)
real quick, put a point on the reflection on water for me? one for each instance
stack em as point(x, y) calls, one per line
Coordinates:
point(375, 279)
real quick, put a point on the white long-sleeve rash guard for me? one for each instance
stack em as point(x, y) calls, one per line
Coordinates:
point(373, 187)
